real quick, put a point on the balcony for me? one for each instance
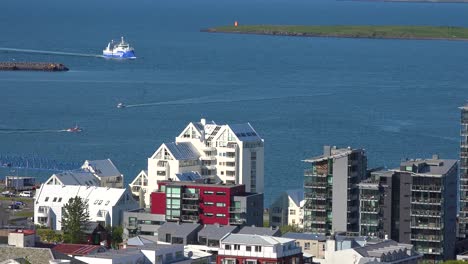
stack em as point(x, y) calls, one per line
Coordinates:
point(236, 221)
point(208, 148)
point(426, 213)
point(232, 146)
point(318, 208)
point(464, 187)
point(101, 214)
point(426, 188)
point(236, 210)
point(370, 210)
point(426, 238)
point(131, 226)
point(189, 218)
point(313, 173)
point(190, 207)
point(319, 185)
point(429, 226)
point(208, 158)
point(370, 222)
point(426, 201)
point(209, 167)
point(369, 197)
point(190, 196)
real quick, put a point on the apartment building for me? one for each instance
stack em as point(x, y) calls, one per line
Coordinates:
point(287, 209)
point(463, 215)
point(331, 192)
point(207, 203)
point(415, 204)
point(232, 152)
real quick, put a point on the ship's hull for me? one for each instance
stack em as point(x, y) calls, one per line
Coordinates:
point(119, 54)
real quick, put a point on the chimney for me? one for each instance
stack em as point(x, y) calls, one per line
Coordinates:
point(326, 151)
point(203, 121)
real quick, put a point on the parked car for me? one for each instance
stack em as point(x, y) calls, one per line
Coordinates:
point(13, 206)
point(19, 203)
point(26, 194)
point(8, 194)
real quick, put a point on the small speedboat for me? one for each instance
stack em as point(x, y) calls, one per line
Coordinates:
point(121, 105)
point(75, 129)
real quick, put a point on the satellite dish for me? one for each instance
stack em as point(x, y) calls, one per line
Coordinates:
point(190, 254)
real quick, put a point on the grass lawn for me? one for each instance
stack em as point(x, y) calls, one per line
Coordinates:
point(410, 32)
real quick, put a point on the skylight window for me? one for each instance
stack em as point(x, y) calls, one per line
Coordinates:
point(55, 199)
point(95, 202)
point(60, 199)
point(46, 199)
point(107, 202)
point(100, 202)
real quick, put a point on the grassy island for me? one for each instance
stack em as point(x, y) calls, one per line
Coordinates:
point(381, 32)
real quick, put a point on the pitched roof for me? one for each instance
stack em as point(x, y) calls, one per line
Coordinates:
point(216, 231)
point(102, 168)
point(245, 132)
point(78, 249)
point(95, 195)
point(33, 255)
point(76, 178)
point(182, 150)
point(139, 241)
point(178, 230)
point(263, 231)
point(379, 249)
point(305, 236)
point(188, 176)
point(249, 239)
point(296, 195)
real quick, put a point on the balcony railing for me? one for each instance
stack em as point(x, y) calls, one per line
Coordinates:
point(426, 213)
point(191, 218)
point(434, 226)
point(426, 201)
point(190, 196)
point(369, 197)
point(236, 210)
point(366, 209)
point(428, 238)
point(426, 188)
point(236, 221)
point(190, 207)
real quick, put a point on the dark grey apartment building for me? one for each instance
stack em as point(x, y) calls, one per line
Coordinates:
point(416, 204)
point(331, 190)
point(463, 216)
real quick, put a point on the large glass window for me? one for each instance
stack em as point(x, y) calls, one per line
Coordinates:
point(132, 221)
point(173, 192)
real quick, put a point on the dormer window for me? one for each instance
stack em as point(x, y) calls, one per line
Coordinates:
point(46, 199)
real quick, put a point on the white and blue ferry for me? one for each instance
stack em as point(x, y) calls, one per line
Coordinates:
point(120, 50)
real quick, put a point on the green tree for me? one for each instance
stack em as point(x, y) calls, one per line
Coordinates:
point(116, 233)
point(49, 235)
point(290, 228)
point(75, 215)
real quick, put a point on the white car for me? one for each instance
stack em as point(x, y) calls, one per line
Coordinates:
point(26, 194)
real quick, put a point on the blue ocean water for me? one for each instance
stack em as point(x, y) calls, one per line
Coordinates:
point(395, 98)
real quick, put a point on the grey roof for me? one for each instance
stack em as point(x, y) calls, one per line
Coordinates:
point(115, 254)
point(305, 236)
point(33, 255)
point(334, 153)
point(378, 249)
point(140, 241)
point(102, 168)
point(178, 229)
point(431, 166)
point(249, 239)
point(245, 132)
point(296, 195)
point(183, 150)
point(188, 176)
point(216, 231)
point(262, 231)
point(77, 178)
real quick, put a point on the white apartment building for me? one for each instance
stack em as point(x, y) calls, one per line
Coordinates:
point(233, 153)
point(288, 209)
point(105, 205)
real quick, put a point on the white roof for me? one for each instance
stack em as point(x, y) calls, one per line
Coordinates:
point(102, 168)
point(97, 197)
point(248, 239)
point(76, 178)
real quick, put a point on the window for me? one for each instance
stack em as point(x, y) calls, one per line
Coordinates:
point(159, 259)
point(292, 212)
point(251, 261)
point(209, 214)
point(220, 204)
point(179, 254)
point(208, 192)
point(107, 202)
point(248, 248)
point(229, 261)
point(132, 221)
point(307, 245)
point(95, 202)
point(168, 238)
point(100, 202)
point(173, 192)
point(220, 215)
point(220, 193)
point(228, 247)
point(60, 199)
point(209, 203)
point(236, 247)
point(169, 257)
point(258, 249)
point(46, 199)
point(55, 199)
point(297, 244)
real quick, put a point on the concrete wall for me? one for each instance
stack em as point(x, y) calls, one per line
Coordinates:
point(340, 194)
point(20, 240)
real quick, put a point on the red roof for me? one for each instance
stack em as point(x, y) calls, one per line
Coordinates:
point(76, 249)
point(26, 232)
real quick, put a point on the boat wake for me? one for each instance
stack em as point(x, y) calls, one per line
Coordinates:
point(29, 131)
point(209, 100)
point(47, 52)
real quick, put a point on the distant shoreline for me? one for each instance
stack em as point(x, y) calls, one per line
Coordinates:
point(369, 32)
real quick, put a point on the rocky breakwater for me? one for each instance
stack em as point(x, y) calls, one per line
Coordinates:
point(32, 66)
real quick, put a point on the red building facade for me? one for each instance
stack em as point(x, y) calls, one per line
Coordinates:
point(204, 203)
